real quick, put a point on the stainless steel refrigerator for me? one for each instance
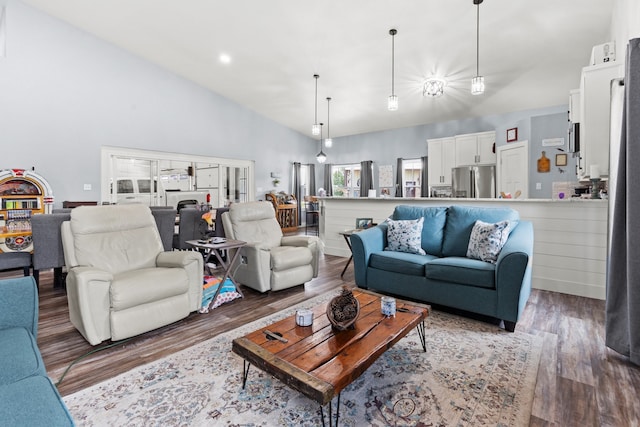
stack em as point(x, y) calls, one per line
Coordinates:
point(474, 182)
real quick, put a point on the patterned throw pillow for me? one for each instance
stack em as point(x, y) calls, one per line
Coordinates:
point(405, 236)
point(487, 240)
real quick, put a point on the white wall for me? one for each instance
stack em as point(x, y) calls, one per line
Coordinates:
point(65, 93)
point(625, 25)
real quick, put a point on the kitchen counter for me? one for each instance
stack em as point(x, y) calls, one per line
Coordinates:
point(570, 246)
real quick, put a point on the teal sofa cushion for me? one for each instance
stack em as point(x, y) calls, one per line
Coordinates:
point(400, 262)
point(19, 355)
point(460, 221)
point(27, 395)
point(463, 271)
point(432, 227)
point(33, 401)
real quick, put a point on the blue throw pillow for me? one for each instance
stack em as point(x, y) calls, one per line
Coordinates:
point(405, 236)
point(487, 240)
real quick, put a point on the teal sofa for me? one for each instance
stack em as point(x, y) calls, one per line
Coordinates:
point(444, 275)
point(27, 395)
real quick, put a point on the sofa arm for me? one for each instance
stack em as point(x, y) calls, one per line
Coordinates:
point(193, 264)
point(310, 242)
point(363, 244)
point(19, 304)
point(89, 302)
point(513, 272)
point(253, 267)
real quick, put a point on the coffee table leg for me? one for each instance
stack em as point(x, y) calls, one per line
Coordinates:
point(330, 414)
point(245, 372)
point(421, 333)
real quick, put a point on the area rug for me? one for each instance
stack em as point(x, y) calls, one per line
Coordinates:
point(473, 374)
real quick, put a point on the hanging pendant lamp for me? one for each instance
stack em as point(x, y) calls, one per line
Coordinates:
point(328, 142)
point(321, 157)
point(315, 129)
point(392, 104)
point(477, 83)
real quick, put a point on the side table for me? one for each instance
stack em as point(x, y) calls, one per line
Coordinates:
point(216, 250)
point(347, 234)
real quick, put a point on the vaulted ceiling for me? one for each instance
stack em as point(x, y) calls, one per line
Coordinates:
point(531, 53)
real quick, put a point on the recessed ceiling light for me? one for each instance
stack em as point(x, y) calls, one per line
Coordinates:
point(224, 58)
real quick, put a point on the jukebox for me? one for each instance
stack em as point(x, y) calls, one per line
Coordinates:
point(23, 193)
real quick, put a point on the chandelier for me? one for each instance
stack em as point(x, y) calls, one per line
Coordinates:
point(433, 87)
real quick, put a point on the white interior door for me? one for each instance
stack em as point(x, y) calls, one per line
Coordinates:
point(513, 169)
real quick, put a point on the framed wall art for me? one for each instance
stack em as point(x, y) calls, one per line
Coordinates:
point(512, 134)
point(561, 160)
point(362, 223)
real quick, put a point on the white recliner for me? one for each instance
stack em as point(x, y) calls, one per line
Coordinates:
point(120, 281)
point(269, 261)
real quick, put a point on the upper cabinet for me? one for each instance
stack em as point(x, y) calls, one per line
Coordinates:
point(595, 102)
point(441, 159)
point(475, 149)
point(574, 106)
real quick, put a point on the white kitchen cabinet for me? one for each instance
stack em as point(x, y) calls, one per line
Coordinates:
point(575, 112)
point(475, 149)
point(441, 159)
point(595, 102)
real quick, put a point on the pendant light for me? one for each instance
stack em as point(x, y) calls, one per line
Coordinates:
point(328, 142)
point(315, 129)
point(477, 83)
point(321, 157)
point(392, 104)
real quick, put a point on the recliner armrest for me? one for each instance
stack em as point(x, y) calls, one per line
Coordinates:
point(89, 274)
point(307, 241)
point(193, 264)
point(310, 242)
point(177, 258)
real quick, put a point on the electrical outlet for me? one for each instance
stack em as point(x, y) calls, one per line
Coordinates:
point(538, 186)
point(87, 187)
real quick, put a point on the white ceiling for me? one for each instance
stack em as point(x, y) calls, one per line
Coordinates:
point(531, 52)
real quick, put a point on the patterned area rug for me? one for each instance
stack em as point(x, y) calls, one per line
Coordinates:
point(472, 374)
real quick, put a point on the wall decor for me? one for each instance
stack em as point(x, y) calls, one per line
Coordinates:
point(561, 160)
point(385, 176)
point(512, 134)
point(544, 165)
point(552, 142)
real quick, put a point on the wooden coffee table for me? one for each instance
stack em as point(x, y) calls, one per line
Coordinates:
point(320, 362)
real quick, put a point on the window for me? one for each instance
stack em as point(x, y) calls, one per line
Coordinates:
point(304, 181)
point(144, 186)
point(411, 173)
point(345, 180)
point(125, 186)
point(131, 171)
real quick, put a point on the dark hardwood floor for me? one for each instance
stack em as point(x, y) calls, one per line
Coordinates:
point(580, 381)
